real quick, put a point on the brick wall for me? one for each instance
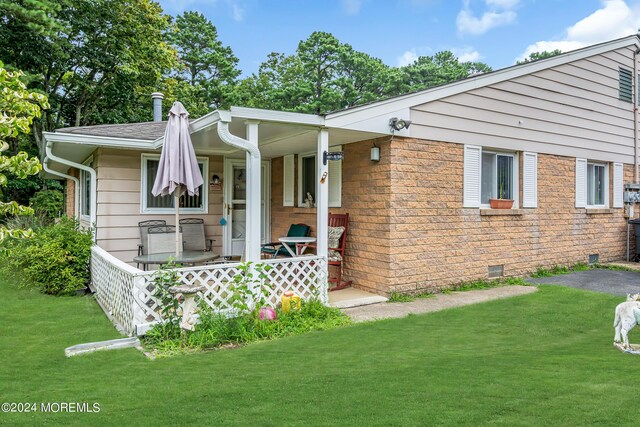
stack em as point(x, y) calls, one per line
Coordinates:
point(365, 196)
point(438, 243)
point(70, 195)
point(409, 231)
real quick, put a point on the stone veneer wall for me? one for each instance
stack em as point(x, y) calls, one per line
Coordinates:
point(438, 243)
point(409, 231)
point(70, 195)
point(366, 193)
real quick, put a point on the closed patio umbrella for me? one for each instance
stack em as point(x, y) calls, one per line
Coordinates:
point(178, 171)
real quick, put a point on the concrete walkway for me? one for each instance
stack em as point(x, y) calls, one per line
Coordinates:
point(439, 302)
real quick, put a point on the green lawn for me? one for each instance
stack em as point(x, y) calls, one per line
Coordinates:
point(544, 358)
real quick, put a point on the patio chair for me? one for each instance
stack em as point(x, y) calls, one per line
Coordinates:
point(144, 227)
point(162, 239)
point(275, 249)
point(194, 237)
point(338, 226)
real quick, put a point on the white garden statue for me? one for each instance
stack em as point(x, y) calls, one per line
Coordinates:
point(189, 304)
point(627, 316)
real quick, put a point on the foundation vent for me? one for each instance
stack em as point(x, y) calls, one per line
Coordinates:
point(496, 271)
point(594, 258)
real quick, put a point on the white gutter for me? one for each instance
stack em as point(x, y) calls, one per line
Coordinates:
point(76, 186)
point(94, 182)
point(101, 141)
point(235, 141)
point(254, 172)
point(635, 116)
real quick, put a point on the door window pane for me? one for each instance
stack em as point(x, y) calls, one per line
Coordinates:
point(239, 227)
point(239, 183)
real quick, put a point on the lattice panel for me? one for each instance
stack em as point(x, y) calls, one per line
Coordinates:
point(113, 287)
point(128, 293)
point(305, 276)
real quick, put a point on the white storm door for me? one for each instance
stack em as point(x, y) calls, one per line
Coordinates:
point(235, 206)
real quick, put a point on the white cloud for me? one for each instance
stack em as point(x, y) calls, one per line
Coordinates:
point(466, 54)
point(498, 13)
point(502, 4)
point(408, 57)
point(238, 12)
point(468, 23)
point(613, 20)
point(352, 7)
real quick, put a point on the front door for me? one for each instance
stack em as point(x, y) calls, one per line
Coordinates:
point(235, 206)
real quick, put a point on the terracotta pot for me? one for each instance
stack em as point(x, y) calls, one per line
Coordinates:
point(500, 203)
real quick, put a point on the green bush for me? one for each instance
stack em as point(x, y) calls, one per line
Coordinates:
point(55, 260)
point(47, 204)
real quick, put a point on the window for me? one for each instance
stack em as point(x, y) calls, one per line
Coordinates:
point(625, 82)
point(489, 174)
point(497, 176)
point(595, 184)
point(307, 178)
point(165, 204)
point(85, 191)
point(592, 184)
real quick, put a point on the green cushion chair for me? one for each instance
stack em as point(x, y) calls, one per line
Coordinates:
point(275, 249)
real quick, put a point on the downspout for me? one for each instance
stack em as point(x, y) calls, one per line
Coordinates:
point(94, 181)
point(76, 186)
point(254, 171)
point(636, 171)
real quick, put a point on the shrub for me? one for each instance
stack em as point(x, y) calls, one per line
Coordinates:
point(47, 204)
point(55, 260)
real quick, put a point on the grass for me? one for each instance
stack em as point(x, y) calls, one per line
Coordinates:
point(581, 266)
point(215, 330)
point(541, 359)
point(462, 286)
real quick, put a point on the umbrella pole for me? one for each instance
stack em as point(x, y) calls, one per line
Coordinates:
point(177, 204)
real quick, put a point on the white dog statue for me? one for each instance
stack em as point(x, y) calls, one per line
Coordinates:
point(627, 316)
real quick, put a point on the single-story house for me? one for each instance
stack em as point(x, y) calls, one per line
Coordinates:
point(558, 136)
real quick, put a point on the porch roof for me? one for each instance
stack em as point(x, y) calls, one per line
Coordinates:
point(281, 133)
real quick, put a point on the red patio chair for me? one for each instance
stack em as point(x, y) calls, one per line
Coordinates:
point(337, 247)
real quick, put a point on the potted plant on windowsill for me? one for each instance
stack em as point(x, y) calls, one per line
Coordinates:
point(501, 202)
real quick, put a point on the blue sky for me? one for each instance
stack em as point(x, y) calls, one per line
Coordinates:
point(496, 32)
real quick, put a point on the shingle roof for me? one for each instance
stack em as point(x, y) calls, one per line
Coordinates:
point(146, 131)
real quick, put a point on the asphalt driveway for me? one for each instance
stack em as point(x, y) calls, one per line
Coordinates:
point(606, 281)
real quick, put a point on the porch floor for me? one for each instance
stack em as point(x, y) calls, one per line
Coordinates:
point(352, 297)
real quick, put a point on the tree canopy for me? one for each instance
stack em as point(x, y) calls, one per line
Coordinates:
point(325, 75)
point(536, 56)
point(18, 108)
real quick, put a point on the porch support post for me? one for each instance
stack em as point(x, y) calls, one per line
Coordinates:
point(254, 188)
point(322, 194)
point(254, 171)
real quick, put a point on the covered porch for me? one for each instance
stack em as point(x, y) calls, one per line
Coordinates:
point(110, 194)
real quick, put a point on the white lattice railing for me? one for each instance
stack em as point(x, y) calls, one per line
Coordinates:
point(126, 293)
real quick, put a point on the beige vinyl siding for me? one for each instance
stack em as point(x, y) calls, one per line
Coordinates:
point(118, 198)
point(571, 110)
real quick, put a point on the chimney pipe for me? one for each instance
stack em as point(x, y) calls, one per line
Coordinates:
point(157, 106)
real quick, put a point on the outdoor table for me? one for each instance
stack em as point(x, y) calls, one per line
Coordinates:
point(300, 242)
point(184, 257)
